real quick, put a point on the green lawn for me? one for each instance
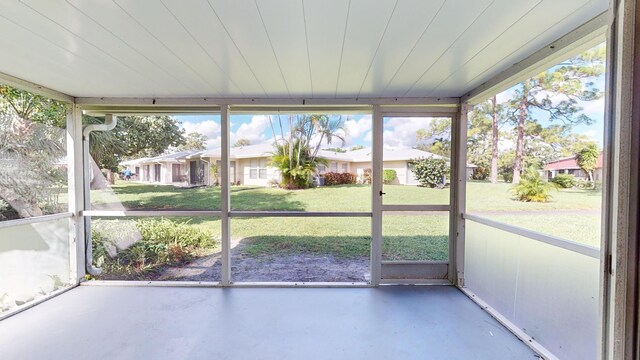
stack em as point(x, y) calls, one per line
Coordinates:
point(573, 214)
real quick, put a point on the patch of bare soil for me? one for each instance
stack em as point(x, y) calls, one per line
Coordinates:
point(266, 268)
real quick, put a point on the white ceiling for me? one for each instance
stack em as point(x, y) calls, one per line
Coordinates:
point(276, 48)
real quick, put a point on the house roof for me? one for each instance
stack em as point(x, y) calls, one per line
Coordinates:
point(279, 49)
point(266, 150)
point(570, 163)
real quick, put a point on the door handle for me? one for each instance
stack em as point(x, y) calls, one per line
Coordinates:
point(382, 193)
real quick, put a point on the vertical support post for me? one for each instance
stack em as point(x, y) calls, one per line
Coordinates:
point(376, 197)
point(225, 196)
point(75, 181)
point(458, 196)
point(622, 198)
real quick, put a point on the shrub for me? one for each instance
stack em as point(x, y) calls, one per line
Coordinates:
point(163, 242)
point(430, 172)
point(388, 176)
point(564, 180)
point(334, 178)
point(532, 188)
point(480, 173)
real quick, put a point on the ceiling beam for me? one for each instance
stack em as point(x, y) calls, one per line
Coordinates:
point(164, 103)
point(7, 79)
point(582, 38)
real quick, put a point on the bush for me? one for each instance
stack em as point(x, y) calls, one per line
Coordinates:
point(480, 173)
point(388, 176)
point(564, 181)
point(334, 178)
point(532, 188)
point(430, 172)
point(585, 184)
point(163, 242)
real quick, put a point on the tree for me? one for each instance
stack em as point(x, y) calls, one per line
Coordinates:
point(485, 120)
point(556, 93)
point(194, 141)
point(34, 108)
point(242, 142)
point(32, 142)
point(436, 138)
point(133, 137)
point(296, 155)
point(149, 135)
point(587, 159)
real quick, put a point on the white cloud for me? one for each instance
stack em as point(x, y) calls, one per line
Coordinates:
point(355, 129)
point(401, 133)
point(253, 130)
point(590, 133)
point(593, 108)
point(209, 128)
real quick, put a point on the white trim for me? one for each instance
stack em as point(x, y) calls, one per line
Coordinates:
point(34, 220)
point(240, 214)
point(7, 79)
point(302, 284)
point(217, 284)
point(159, 102)
point(143, 213)
point(30, 304)
point(583, 37)
point(533, 235)
point(406, 111)
point(393, 208)
point(143, 283)
point(524, 337)
point(445, 282)
point(415, 262)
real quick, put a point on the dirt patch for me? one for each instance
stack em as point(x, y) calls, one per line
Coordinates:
point(266, 268)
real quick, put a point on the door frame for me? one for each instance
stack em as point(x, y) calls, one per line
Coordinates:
point(394, 272)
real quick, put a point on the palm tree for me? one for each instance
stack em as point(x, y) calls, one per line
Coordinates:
point(297, 156)
point(297, 171)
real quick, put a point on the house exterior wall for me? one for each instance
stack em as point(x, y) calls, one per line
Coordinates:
point(243, 172)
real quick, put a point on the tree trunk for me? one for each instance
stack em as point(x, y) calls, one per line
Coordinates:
point(494, 142)
point(522, 116)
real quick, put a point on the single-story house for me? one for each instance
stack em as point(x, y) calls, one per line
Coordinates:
point(569, 165)
point(249, 165)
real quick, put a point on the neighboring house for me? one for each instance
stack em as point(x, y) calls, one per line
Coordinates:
point(249, 165)
point(569, 165)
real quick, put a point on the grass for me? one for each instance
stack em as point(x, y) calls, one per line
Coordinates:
point(572, 214)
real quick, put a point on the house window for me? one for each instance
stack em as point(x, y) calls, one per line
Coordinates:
point(321, 168)
point(258, 169)
point(345, 168)
point(334, 166)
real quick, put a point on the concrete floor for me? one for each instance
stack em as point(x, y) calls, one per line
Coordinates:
point(400, 322)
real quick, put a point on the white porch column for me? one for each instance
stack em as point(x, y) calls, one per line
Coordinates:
point(225, 196)
point(458, 196)
point(75, 192)
point(622, 159)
